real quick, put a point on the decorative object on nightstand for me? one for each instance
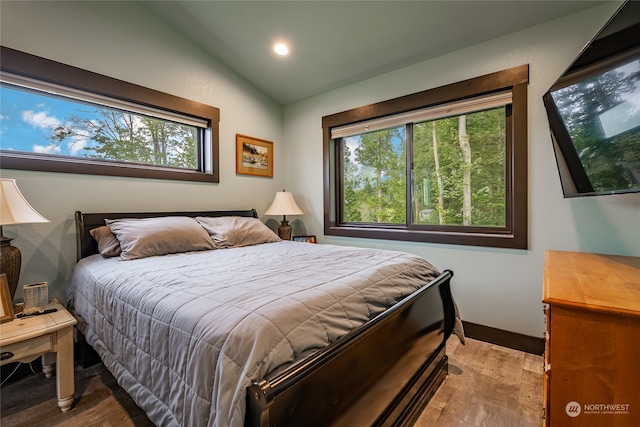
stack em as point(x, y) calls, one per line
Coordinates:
point(35, 295)
point(14, 209)
point(284, 205)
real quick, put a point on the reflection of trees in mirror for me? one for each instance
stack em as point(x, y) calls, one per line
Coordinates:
point(602, 117)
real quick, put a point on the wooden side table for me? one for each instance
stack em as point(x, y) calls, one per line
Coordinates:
point(47, 335)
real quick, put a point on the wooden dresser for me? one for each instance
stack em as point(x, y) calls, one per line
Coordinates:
point(592, 351)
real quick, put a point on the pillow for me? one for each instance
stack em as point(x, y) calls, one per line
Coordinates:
point(140, 238)
point(236, 231)
point(108, 245)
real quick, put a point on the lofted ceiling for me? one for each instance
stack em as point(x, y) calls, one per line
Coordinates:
point(335, 43)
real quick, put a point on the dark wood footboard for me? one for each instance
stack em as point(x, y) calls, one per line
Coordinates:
point(382, 374)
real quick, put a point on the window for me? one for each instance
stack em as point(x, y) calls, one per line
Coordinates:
point(59, 118)
point(448, 165)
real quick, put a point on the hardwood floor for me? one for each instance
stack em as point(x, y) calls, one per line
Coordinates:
point(487, 385)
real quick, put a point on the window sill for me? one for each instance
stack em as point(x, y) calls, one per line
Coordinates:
point(44, 163)
point(495, 239)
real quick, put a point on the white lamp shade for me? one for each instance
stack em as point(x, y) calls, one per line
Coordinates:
point(14, 208)
point(284, 204)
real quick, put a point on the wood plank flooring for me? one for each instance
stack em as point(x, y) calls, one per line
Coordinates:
point(487, 385)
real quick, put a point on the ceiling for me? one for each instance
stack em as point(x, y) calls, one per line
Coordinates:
point(335, 43)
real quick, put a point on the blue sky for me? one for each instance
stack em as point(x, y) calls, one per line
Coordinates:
point(27, 119)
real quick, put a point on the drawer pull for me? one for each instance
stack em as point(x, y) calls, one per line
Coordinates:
point(6, 355)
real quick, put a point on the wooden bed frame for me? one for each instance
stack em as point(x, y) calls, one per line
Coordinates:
point(382, 374)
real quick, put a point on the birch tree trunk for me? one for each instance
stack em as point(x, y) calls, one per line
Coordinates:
point(463, 138)
point(438, 174)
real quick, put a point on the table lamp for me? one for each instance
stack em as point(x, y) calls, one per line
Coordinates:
point(284, 205)
point(14, 209)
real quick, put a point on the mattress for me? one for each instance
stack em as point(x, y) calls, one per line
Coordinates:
point(185, 334)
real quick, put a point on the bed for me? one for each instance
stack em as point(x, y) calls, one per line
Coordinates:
point(274, 333)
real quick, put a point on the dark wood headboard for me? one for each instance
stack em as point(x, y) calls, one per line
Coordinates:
point(86, 245)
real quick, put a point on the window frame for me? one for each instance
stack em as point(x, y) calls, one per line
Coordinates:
point(38, 68)
point(513, 235)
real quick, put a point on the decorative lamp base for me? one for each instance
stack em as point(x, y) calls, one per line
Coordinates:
point(284, 230)
point(10, 265)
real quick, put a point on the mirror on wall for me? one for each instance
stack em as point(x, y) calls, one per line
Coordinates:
point(594, 111)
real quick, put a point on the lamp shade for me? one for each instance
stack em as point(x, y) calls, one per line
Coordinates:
point(14, 208)
point(284, 204)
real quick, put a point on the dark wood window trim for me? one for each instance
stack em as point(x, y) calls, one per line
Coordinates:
point(39, 68)
point(515, 234)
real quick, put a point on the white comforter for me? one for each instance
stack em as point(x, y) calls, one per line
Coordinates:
point(185, 334)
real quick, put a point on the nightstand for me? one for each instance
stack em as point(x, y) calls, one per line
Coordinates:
point(47, 335)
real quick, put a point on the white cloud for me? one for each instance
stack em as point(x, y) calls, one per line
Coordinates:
point(46, 149)
point(78, 140)
point(39, 120)
point(3, 117)
point(76, 144)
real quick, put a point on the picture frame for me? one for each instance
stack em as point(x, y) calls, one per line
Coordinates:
point(6, 303)
point(254, 156)
point(305, 239)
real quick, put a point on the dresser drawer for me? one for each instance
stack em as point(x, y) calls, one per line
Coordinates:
point(28, 350)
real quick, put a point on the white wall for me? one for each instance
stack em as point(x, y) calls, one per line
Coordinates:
point(494, 287)
point(123, 40)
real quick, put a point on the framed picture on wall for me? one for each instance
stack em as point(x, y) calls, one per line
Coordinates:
point(6, 305)
point(307, 239)
point(254, 156)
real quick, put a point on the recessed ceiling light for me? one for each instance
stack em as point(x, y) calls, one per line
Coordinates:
point(281, 49)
